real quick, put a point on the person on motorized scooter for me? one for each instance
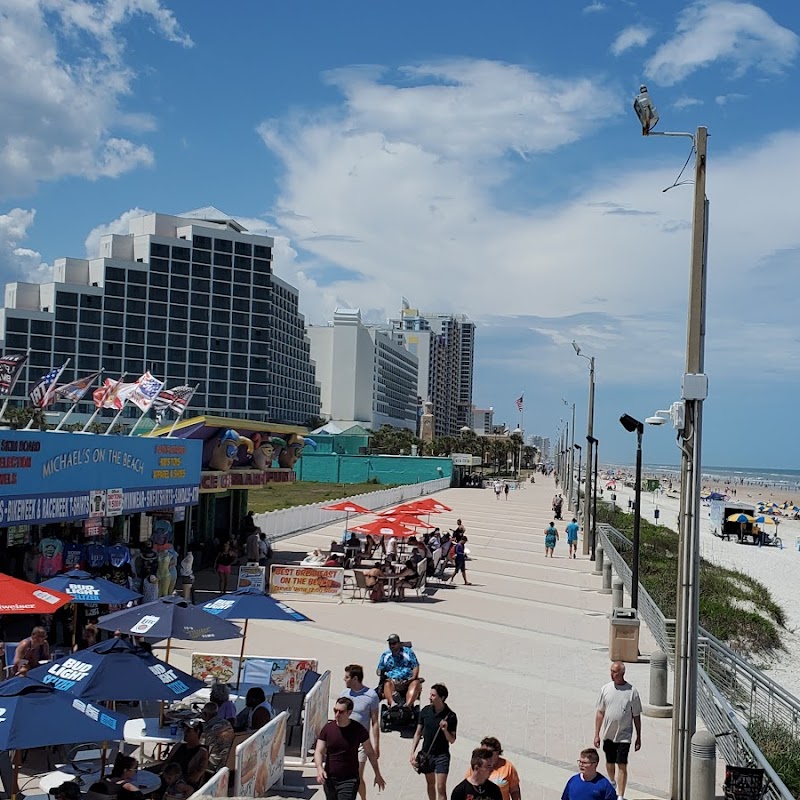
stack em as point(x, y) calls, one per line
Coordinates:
point(400, 669)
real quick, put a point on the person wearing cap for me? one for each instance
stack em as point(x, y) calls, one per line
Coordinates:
point(190, 755)
point(400, 668)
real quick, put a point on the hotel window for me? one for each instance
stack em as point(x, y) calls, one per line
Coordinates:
point(203, 242)
point(201, 257)
point(243, 248)
point(223, 245)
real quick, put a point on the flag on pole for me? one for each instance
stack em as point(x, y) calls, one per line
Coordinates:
point(144, 391)
point(175, 399)
point(76, 390)
point(108, 395)
point(519, 402)
point(10, 367)
point(43, 392)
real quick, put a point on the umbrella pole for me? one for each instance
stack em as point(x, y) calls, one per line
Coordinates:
point(74, 624)
point(15, 784)
point(241, 656)
point(162, 706)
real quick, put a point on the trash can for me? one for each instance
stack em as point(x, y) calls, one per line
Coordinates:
point(623, 635)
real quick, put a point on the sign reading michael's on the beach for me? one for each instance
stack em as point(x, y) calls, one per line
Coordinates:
point(313, 583)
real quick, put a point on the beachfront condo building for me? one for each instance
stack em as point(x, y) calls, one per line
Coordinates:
point(191, 298)
point(366, 378)
point(445, 347)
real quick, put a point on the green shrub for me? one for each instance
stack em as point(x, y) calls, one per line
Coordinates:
point(781, 748)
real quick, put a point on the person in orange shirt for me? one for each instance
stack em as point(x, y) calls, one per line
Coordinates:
point(504, 773)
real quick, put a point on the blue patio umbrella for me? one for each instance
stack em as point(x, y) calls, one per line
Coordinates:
point(762, 520)
point(85, 588)
point(247, 604)
point(116, 670)
point(170, 618)
point(35, 715)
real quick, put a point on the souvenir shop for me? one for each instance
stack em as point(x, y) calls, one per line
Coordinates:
point(116, 506)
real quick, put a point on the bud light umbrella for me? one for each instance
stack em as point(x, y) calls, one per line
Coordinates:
point(21, 597)
point(35, 715)
point(84, 588)
point(247, 604)
point(116, 670)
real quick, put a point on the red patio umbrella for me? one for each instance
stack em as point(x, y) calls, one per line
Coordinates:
point(427, 506)
point(383, 527)
point(349, 507)
point(406, 518)
point(21, 597)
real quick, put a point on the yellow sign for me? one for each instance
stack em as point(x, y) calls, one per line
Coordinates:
point(311, 582)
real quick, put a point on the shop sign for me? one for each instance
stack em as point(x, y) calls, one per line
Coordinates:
point(114, 498)
point(48, 477)
point(252, 577)
point(310, 582)
point(214, 482)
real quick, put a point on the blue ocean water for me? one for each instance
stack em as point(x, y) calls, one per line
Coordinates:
point(751, 475)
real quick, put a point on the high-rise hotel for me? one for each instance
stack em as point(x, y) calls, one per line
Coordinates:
point(193, 299)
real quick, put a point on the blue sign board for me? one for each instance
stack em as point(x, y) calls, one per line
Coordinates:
point(52, 477)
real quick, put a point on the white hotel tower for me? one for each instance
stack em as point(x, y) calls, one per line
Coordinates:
point(191, 298)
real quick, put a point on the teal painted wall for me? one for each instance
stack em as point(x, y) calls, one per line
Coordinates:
point(333, 468)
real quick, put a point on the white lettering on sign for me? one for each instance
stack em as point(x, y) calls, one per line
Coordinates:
point(220, 605)
point(71, 669)
point(144, 624)
point(46, 596)
point(2, 718)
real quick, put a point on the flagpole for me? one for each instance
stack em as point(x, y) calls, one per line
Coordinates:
point(138, 422)
point(178, 418)
point(105, 397)
point(74, 405)
point(46, 398)
point(107, 431)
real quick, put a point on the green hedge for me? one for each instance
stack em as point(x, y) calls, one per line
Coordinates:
point(734, 607)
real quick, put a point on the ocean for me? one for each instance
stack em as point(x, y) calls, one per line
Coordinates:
point(743, 476)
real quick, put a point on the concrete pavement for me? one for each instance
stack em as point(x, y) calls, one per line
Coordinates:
point(523, 651)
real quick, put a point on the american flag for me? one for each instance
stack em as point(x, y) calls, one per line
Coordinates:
point(43, 392)
point(176, 398)
point(519, 403)
point(76, 390)
point(10, 367)
point(144, 391)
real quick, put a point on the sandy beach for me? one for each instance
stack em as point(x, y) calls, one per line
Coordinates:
point(775, 568)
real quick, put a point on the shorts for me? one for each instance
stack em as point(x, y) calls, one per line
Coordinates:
point(362, 754)
point(616, 752)
point(571, 540)
point(441, 764)
point(401, 684)
point(223, 569)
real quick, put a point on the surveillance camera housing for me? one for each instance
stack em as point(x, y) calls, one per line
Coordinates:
point(655, 420)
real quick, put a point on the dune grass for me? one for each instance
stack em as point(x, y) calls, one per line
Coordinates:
point(275, 496)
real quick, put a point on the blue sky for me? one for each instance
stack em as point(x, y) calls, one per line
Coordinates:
point(471, 159)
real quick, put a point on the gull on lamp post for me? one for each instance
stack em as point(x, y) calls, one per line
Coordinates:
point(589, 435)
point(694, 390)
point(630, 424)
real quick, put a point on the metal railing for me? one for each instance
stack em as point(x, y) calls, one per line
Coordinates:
point(732, 694)
point(289, 521)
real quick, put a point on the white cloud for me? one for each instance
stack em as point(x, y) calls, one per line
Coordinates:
point(732, 97)
point(738, 33)
point(595, 7)
point(686, 102)
point(60, 114)
point(18, 262)
point(632, 36)
point(384, 195)
point(118, 226)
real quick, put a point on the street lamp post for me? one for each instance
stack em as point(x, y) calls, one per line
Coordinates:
point(578, 493)
point(595, 449)
point(630, 424)
point(589, 435)
point(571, 459)
point(694, 390)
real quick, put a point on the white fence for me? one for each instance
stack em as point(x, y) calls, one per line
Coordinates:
point(289, 521)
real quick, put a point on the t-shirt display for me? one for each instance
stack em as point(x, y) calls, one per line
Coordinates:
point(73, 555)
point(50, 559)
point(118, 554)
point(96, 556)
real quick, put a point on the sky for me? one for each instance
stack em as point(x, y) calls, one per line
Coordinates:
point(473, 159)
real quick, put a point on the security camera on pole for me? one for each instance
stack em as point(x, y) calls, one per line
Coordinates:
point(694, 390)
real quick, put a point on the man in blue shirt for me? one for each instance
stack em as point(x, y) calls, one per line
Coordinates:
point(589, 784)
point(572, 537)
point(400, 668)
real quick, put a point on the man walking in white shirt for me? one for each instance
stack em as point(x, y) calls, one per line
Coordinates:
point(619, 711)
point(366, 706)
